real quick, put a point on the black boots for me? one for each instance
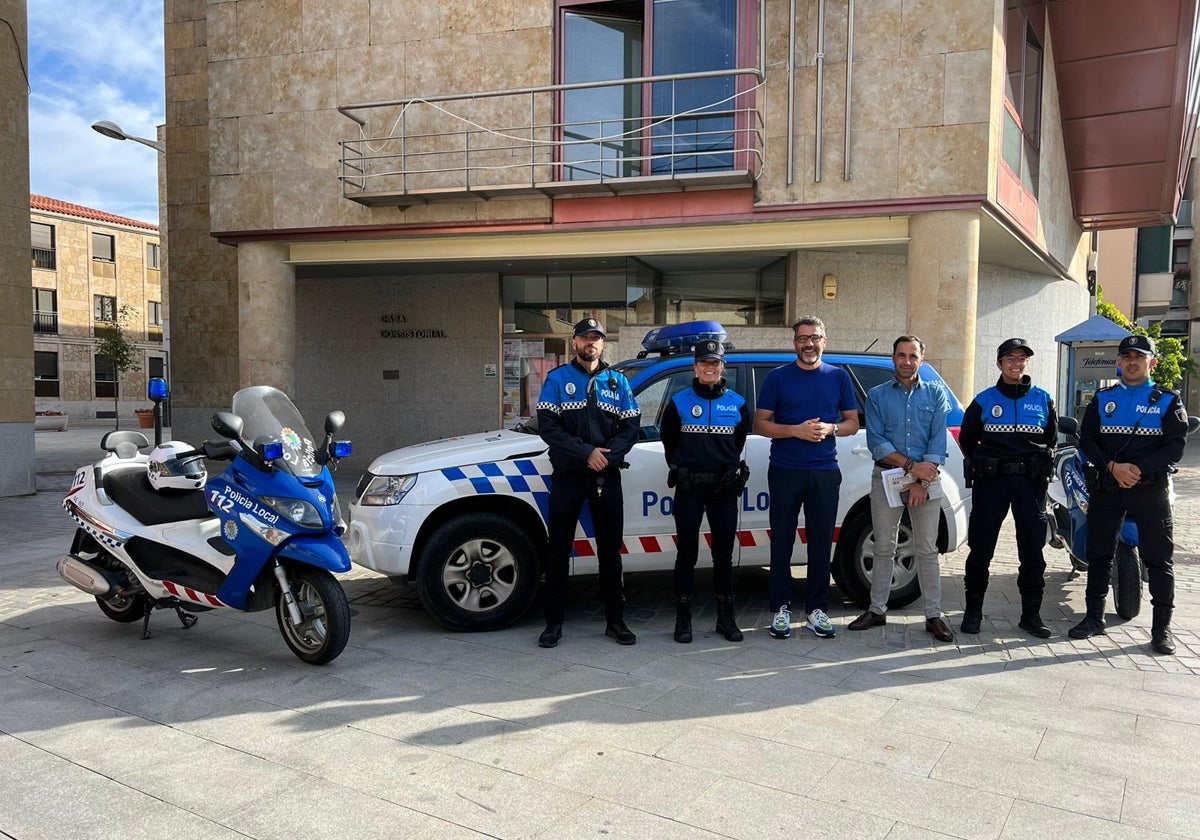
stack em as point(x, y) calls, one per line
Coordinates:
point(1161, 640)
point(973, 613)
point(1093, 622)
point(683, 619)
point(1031, 619)
point(726, 622)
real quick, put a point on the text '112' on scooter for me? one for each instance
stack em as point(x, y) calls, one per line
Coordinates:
point(156, 533)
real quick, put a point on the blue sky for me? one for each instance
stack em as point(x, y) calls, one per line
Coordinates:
point(95, 60)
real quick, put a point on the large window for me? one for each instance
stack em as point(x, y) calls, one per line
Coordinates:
point(45, 374)
point(106, 378)
point(152, 255)
point(1024, 22)
point(154, 321)
point(45, 311)
point(104, 308)
point(41, 238)
point(631, 130)
point(103, 247)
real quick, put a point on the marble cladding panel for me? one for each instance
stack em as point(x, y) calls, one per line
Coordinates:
point(224, 150)
point(374, 73)
point(874, 167)
point(332, 24)
point(268, 27)
point(871, 302)
point(305, 198)
point(305, 81)
point(241, 202)
point(178, 35)
point(442, 388)
point(463, 16)
point(238, 87)
point(878, 33)
point(936, 26)
point(901, 93)
point(323, 133)
point(967, 97)
point(502, 60)
point(270, 142)
point(222, 40)
point(185, 87)
point(532, 15)
point(397, 21)
point(943, 160)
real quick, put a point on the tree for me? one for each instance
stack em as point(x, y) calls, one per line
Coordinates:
point(117, 348)
point(1173, 359)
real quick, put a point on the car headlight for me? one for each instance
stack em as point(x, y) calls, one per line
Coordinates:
point(304, 514)
point(387, 489)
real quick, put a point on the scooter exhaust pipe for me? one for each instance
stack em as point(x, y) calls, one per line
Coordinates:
point(85, 575)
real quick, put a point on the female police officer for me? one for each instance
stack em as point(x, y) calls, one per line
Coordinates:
point(703, 431)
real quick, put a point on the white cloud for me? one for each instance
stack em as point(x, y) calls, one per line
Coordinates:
point(96, 60)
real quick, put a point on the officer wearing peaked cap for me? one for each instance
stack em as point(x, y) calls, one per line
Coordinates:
point(1132, 433)
point(1007, 438)
point(589, 418)
point(703, 429)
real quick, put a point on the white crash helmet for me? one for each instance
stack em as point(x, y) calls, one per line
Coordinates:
point(175, 465)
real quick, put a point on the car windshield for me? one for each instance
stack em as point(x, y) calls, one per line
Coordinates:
point(267, 412)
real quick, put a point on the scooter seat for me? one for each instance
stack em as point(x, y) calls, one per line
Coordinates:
point(131, 489)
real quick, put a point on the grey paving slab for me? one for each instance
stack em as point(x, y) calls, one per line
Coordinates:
point(952, 725)
point(1028, 819)
point(1162, 807)
point(744, 757)
point(868, 743)
point(1100, 756)
point(607, 819)
point(940, 806)
point(1024, 711)
point(1030, 780)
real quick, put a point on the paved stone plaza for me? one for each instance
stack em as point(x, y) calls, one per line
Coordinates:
point(218, 731)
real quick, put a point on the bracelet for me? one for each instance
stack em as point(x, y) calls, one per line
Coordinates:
point(908, 465)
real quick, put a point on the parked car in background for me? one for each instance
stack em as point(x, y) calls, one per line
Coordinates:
point(465, 517)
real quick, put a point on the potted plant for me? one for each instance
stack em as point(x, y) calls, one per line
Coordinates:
point(50, 420)
point(145, 417)
point(1183, 279)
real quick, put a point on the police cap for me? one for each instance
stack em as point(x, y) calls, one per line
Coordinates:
point(1136, 344)
point(709, 350)
point(589, 325)
point(1012, 345)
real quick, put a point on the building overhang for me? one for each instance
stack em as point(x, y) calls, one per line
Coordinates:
point(1127, 85)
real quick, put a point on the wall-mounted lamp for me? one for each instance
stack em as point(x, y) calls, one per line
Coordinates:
point(829, 287)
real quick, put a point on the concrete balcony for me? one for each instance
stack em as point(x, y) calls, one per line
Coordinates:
point(513, 143)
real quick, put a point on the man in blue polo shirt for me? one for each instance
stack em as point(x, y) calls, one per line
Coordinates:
point(803, 408)
point(906, 429)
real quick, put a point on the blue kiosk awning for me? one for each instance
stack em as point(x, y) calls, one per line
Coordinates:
point(1096, 328)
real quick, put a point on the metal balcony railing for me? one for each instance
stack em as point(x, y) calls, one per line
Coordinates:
point(44, 258)
point(45, 322)
point(517, 142)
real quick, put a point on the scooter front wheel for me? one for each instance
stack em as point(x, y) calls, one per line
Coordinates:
point(325, 628)
point(1127, 581)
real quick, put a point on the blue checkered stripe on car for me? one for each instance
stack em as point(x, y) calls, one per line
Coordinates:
point(521, 477)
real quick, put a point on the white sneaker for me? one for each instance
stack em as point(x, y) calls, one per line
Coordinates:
point(781, 627)
point(819, 622)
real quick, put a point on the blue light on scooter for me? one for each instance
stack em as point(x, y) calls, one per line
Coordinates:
point(341, 449)
point(156, 389)
point(272, 451)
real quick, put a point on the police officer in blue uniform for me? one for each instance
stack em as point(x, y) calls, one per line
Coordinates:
point(703, 430)
point(589, 418)
point(1132, 433)
point(1007, 437)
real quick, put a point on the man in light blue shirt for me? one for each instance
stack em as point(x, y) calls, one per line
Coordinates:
point(906, 429)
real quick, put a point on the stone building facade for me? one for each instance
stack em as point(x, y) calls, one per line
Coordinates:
point(92, 269)
point(398, 209)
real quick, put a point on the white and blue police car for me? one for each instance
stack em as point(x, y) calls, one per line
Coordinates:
point(465, 517)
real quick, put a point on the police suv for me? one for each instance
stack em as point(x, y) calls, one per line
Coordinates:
point(465, 517)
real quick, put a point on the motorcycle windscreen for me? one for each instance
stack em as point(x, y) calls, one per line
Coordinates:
point(267, 411)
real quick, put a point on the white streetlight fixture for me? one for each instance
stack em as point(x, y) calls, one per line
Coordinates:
point(111, 129)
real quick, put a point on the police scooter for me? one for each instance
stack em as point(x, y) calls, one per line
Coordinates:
point(1066, 520)
point(154, 533)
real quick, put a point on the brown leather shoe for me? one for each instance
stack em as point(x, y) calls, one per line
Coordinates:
point(939, 629)
point(867, 620)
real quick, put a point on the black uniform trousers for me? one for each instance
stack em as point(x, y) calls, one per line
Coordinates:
point(689, 511)
point(568, 493)
point(991, 500)
point(1150, 507)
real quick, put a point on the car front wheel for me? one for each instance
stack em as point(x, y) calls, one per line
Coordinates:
point(855, 559)
point(479, 571)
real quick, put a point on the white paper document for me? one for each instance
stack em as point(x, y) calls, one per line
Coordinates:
point(895, 486)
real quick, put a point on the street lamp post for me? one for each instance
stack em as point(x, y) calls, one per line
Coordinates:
point(111, 129)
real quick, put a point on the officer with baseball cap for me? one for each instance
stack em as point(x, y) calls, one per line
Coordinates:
point(1132, 433)
point(589, 418)
point(1007, 438)
point(703, 430)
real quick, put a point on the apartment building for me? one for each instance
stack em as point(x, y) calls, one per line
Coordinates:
point(399, 209)
point(92, 270)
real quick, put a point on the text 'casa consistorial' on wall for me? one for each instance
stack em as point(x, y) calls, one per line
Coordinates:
point(390, 330)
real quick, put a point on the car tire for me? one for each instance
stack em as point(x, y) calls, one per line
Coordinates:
point(479, 571)
point(854, 560)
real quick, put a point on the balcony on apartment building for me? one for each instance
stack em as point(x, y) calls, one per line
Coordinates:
point(647, 134)
point(45, 322)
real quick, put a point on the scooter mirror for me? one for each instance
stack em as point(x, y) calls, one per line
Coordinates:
point(1193, 424)
point(227, 425)
point(1068, 425)
point(334, 421)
